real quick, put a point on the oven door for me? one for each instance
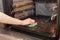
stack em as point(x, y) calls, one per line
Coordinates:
point(45, 26)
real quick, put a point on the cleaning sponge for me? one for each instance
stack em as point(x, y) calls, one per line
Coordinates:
point(33, 25)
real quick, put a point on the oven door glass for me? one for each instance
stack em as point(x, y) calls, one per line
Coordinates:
point(44, 13)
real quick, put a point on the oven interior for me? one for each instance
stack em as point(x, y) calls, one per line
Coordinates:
point(39, 10)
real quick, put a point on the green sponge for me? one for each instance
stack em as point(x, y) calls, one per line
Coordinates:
point(33, 25)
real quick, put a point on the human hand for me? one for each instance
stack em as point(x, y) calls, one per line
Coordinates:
point(28, 21)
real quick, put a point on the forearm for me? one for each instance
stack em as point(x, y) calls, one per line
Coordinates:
point(9, 20)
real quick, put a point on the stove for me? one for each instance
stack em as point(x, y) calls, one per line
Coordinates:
point(37, 10)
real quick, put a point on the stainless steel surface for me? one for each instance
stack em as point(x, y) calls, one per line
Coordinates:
point(44, 9)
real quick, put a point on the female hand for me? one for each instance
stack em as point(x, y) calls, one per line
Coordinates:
point(28, 21)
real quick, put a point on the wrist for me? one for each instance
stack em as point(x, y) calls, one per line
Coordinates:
point(18, 22)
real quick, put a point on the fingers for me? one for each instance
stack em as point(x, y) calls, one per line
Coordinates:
point(28, 21)
point(31, 21)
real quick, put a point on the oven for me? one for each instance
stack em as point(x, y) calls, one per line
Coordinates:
point(40, 10)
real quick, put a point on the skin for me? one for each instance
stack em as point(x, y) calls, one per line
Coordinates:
point(10, 20)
